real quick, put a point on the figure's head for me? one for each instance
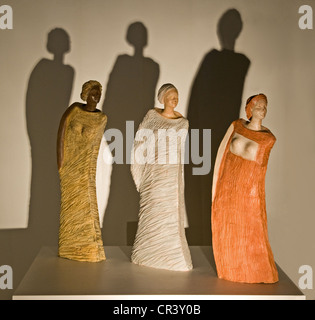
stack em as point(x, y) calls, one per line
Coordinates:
point(256, 106)
point(91, 90)
point(137, 35)
point(168, 95)
point(58, 41)
point(229, 27)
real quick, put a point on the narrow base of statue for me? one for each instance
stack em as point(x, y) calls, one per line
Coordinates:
point(51, 277)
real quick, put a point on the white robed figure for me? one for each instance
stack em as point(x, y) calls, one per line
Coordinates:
point(157, 170)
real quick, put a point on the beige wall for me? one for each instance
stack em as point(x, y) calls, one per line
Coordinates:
point(179, 34)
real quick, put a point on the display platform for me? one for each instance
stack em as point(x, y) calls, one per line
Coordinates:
point(51, 277)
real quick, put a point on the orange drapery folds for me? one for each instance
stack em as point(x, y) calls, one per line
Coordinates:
point(239, 222)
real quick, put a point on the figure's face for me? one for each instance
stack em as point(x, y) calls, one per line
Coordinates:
point(259, 110)
point(94, 95)
point(171, 98)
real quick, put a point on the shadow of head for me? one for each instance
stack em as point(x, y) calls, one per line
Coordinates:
point(229, 28)
point(58, 41)
point(137, 35)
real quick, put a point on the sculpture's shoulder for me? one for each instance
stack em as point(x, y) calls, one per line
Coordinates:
point(237, 123)
point(76, 104)
point(148, 119)
point(72, 108)
point(103, 116)
point(67, 115)
point(149, 115)
point(272, 138)
point(178, 114)
point(185, 122)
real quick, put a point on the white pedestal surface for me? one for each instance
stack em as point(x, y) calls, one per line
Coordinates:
point(51, 277)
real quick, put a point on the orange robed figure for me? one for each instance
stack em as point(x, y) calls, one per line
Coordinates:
point(239, 222)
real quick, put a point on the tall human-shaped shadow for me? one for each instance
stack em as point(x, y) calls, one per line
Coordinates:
point(129, 95)
point(48, 95)
point(215, 100)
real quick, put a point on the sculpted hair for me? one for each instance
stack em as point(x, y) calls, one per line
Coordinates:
point(87, 86)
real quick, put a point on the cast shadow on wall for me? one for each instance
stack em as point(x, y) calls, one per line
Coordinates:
point(130, 93)
point(48, 95)
point(215, 100)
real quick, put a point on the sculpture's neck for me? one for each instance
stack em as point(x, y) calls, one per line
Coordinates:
point(90, 107)
point(255, 124)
